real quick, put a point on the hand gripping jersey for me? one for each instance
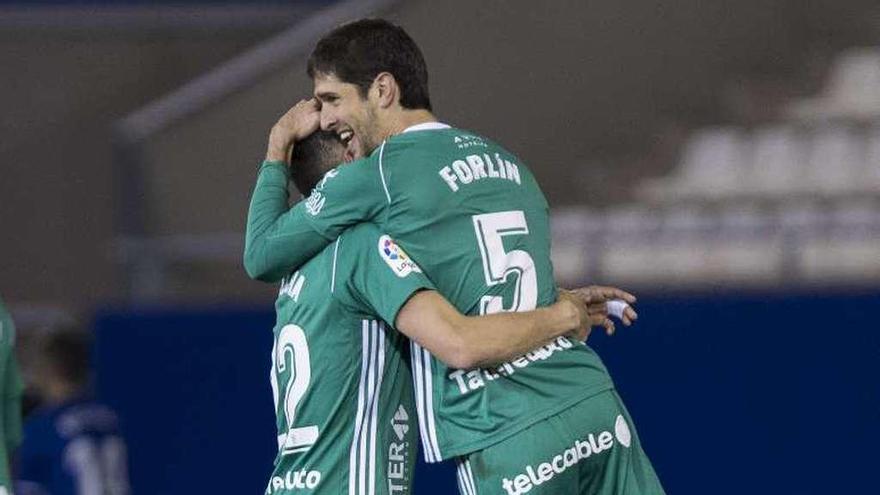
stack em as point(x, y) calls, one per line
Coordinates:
point(474, 219)
point(340, 375)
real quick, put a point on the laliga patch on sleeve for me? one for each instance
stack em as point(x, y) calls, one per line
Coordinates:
point(401, 264)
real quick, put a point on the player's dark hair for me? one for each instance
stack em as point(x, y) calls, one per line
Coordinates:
point(312, 158)
point(67, 351)
point(359, 51)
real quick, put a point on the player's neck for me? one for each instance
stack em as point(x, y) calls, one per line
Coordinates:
point(404, 119)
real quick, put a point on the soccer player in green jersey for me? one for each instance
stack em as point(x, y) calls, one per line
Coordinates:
point(340, 376)
point(11, 384)
point(471, 214)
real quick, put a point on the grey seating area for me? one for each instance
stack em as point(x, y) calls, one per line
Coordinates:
point(793, 202)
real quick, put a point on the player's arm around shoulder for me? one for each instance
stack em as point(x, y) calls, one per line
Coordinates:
point(279, 238)
point(269, 201)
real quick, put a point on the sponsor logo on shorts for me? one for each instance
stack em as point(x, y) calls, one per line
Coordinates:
point(621, 431)
point(400, 262)
point(398, 453)
point(302, 479)
point(594, 444)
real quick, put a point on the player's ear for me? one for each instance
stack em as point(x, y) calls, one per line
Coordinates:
point(386, 90)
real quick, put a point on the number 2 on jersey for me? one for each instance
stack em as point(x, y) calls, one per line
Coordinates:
point(498, 264)
point(292, 351)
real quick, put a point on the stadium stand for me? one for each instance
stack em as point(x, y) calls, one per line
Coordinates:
point(795, 201)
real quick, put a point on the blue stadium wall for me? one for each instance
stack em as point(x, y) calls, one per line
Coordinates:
point(731, 394)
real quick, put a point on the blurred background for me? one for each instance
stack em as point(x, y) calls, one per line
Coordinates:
point(720, 159)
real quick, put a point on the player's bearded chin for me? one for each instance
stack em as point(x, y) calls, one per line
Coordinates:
point(365, 138)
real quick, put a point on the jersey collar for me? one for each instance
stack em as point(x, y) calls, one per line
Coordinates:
point(427, 126)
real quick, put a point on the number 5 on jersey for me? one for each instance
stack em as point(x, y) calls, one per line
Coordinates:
point(290, 355)
point(498, 264)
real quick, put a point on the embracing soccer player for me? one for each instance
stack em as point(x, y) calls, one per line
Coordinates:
point(340, 375)
point(472, 216)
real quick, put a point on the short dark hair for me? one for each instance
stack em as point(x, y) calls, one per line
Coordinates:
point(67, 351)
point(359, 51)
point(313, 157)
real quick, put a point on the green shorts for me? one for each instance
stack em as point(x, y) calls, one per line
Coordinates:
point(590, 448)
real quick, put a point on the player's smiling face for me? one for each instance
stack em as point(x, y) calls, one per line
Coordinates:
point(346, 113)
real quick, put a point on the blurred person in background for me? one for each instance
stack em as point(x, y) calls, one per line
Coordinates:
point(10, 380)
point(72, 444)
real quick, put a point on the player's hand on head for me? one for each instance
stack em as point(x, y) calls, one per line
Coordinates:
point(300, 121)
point(306, 117)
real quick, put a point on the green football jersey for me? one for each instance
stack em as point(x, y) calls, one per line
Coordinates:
point(340, 376)
point(471, 214)
point(10, 380)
